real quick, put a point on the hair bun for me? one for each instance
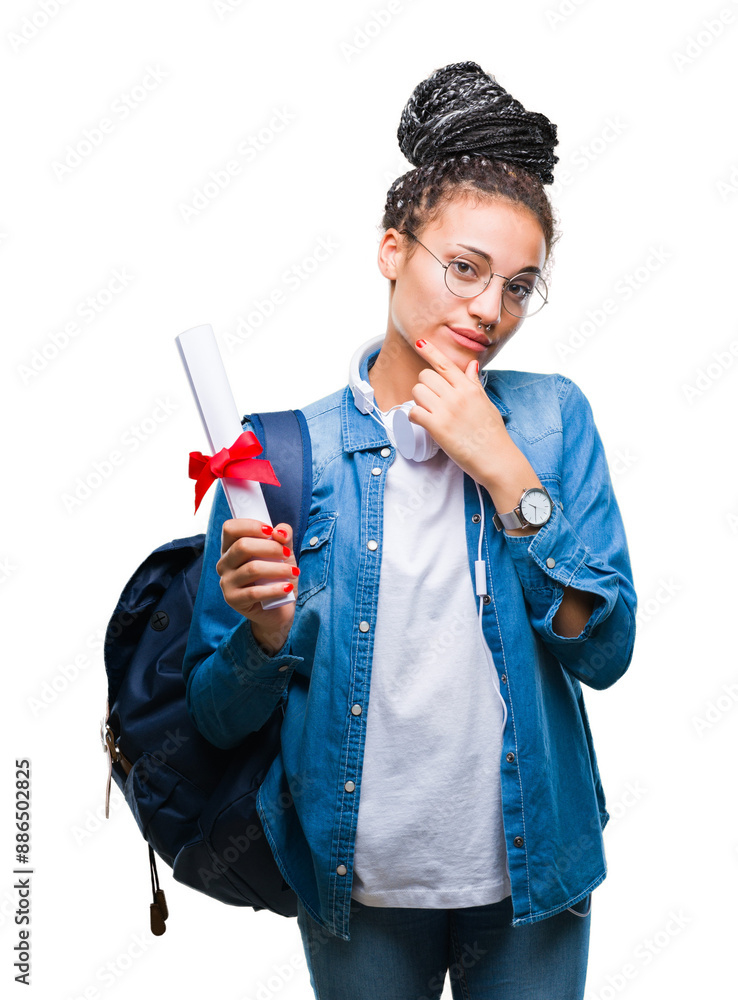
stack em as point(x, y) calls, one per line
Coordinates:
point(461, 109)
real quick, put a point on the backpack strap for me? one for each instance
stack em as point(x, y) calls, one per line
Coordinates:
point(285, 438)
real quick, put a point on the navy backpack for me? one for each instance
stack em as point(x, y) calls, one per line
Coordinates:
point(195, 803)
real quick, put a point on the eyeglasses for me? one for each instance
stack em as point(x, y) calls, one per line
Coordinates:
point(469, 274)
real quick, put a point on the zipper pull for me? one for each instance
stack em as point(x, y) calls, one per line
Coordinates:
point(158, 910)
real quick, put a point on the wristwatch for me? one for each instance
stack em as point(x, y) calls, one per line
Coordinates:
point(534, 509)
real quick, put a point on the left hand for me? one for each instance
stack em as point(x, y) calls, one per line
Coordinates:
point(454, 408)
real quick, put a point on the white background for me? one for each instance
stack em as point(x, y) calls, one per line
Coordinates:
point(643, 98)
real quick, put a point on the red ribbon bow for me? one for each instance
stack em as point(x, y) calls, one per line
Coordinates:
point(236, 462)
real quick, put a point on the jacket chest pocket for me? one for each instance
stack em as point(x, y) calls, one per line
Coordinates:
point(315, 555)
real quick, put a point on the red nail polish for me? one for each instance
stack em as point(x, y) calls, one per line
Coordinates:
point(420, 343)
point(267, 529)
point(288, 587)
point(477, 368)
point(282, 532)
point(295, 571)
point(285, 550)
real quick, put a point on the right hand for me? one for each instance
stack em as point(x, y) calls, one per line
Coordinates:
point(249, 554)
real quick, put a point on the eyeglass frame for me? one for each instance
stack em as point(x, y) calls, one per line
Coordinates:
point(493, 274)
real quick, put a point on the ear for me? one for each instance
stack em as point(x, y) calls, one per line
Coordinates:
point(389, 251)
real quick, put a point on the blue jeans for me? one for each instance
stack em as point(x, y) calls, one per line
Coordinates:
point(401, 953)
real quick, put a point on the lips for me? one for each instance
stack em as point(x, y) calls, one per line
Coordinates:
point(472, 340)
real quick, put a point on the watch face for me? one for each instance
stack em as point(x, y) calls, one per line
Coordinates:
point(536, 506)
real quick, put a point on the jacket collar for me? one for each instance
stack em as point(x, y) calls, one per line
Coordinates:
point(361, 431)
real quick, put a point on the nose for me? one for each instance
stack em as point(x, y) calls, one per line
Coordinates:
point(488, 304)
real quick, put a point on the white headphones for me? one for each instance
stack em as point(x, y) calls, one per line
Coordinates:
point(413, 441)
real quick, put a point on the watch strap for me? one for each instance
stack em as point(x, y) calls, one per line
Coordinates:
point(508, 520)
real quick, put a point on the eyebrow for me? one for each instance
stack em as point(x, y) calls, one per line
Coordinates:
point(489, 259)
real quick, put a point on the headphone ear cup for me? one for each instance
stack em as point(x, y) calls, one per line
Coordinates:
point(413, 441)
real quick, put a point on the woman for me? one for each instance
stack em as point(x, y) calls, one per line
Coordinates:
point(453, 820)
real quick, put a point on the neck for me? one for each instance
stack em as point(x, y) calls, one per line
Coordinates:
point(395, 371)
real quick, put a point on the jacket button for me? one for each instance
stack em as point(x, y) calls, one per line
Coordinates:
point(385, 453)
point(518, 841)
point(510, 757)
point(363, 626)
point(476, 518)
point(504, 678)
point(356, 709)
point(376, 471)
point(314, 540)
point(371, 544)
point(550, 562)
point(349, 786)
point(486, 599)
point(341, 870)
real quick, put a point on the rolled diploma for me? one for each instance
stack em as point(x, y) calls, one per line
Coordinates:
point(203, 364)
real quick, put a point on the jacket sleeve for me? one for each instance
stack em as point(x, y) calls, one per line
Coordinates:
point(232, 685)
point(583, 545)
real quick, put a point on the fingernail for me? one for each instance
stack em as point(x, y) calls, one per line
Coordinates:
point(295, 571)
point(285, 550)
point(288, 587)
point(477, 364)
point(267, 529)
point(282, 532)
point(420, 343)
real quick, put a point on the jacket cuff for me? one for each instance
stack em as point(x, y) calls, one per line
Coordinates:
point(553, 558)
point(252, 664)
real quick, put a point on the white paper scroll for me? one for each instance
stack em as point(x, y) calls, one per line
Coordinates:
point(203, 364)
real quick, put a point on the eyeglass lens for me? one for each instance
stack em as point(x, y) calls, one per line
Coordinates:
point(468, 275)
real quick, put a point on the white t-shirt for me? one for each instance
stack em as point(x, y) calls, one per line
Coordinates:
point(430, 831)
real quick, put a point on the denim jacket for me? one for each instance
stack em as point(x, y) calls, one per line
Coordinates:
point(552, 797)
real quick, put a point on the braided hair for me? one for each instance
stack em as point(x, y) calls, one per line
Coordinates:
point(466, 135)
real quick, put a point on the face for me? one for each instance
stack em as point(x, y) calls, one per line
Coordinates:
point(422, 306)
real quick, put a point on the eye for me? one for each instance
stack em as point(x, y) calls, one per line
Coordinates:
point(462, 267)
point(521, 286)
